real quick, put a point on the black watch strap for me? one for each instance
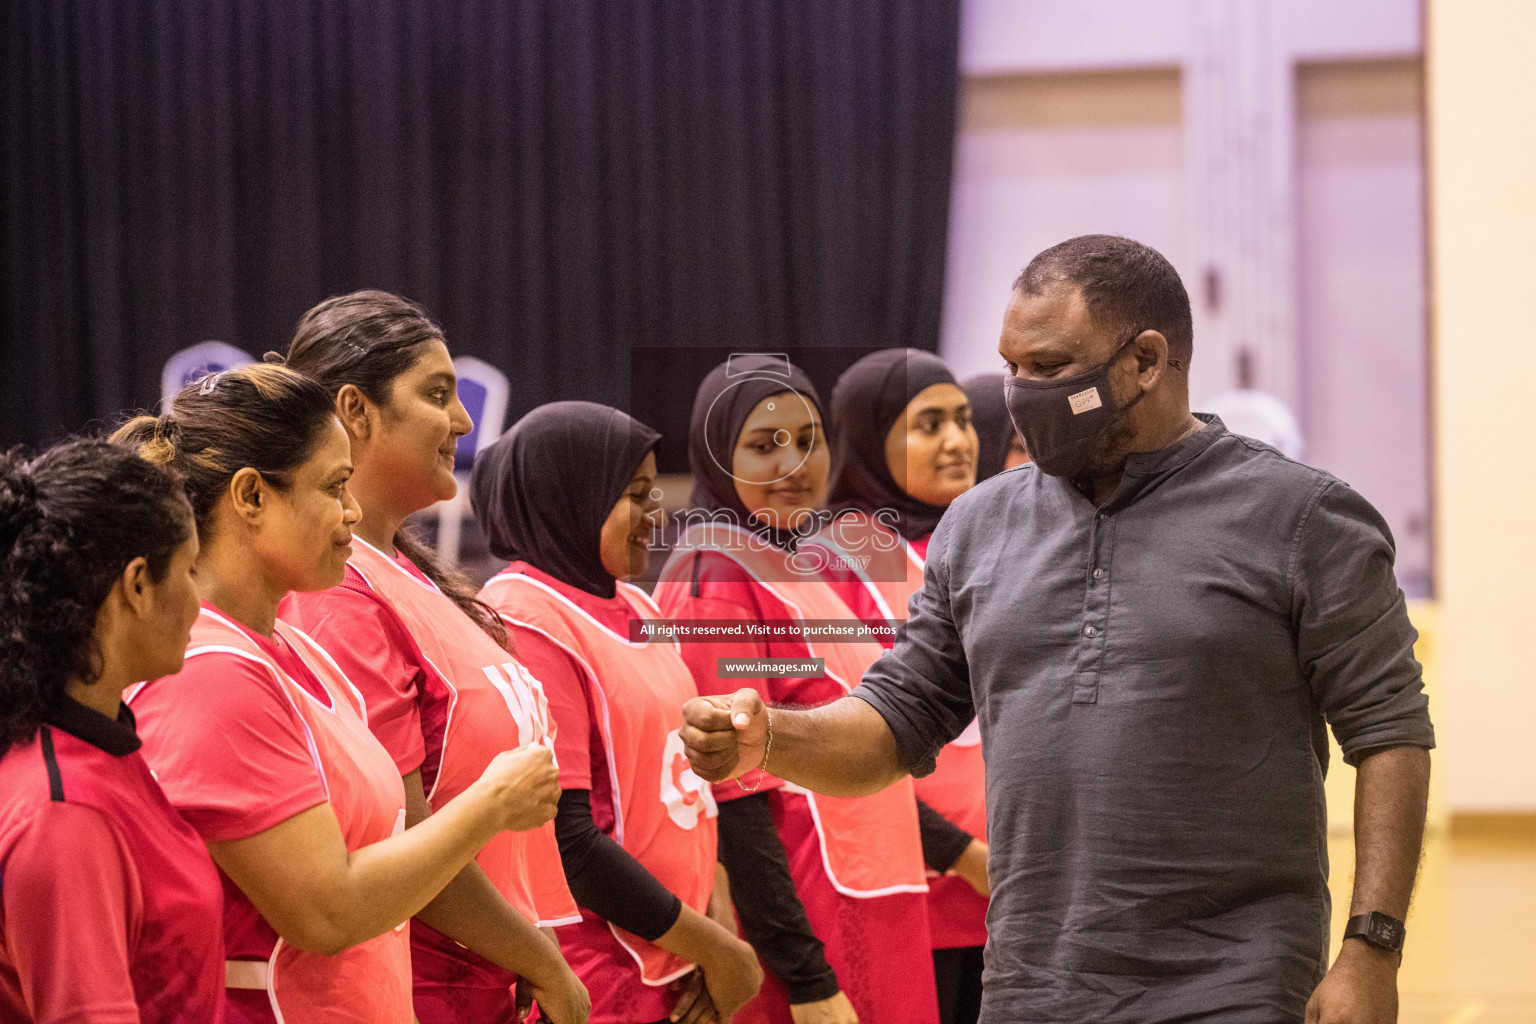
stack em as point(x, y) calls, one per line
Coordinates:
point(1380, 930)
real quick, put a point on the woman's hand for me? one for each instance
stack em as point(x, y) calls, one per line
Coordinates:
point(972, 866)
point(694, 1005)
point(563, 1001)
point(728, 965)
point(720, 909)
point(837, 1010)
point(523, 785)
point(732, 975)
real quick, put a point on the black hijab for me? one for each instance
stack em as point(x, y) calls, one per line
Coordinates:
point(543, 491)
point(720, 409)
point(869, 398)
point(994, 428)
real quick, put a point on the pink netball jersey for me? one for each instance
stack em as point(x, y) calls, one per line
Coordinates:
point(109, 905)
point(870, 843)
point(469, 701)
point(250, 732)
point(661, 813)
point(876, 572)
point(856, 862)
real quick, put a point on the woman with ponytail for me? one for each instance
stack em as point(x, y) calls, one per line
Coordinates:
point(444, 692)
point(108, 902)
point(262, 743)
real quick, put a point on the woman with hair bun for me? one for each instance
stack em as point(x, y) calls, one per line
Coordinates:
point(444, 692)
point(263, 744)
point(109, 905)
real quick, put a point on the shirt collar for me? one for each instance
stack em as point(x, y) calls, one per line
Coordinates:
point(1144, 469)
point(117, 738)
point(1151, 464)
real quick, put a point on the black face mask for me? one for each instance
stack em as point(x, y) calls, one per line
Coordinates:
point(1061, 419)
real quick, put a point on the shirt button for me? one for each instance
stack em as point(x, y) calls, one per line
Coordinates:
point(1102, 516)
point(1091, 631)
point(1098, 574)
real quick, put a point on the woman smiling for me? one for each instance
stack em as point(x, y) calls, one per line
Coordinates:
point(829, 890)
point(262, 743)
point(567, 498)
point(906, 449)
point(445, 695)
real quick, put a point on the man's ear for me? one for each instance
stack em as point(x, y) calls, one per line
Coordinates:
point(248, 494)
point(1151, 358)
point(353, 409)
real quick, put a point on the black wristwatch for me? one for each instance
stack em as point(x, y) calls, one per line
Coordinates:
point(1381, 930)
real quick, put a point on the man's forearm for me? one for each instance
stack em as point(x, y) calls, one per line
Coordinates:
point(840, 749)
point(1391, 791)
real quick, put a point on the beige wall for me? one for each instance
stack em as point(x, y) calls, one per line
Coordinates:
point(1482, 170)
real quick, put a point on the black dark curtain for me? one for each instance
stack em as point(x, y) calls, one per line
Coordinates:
point(558, 181)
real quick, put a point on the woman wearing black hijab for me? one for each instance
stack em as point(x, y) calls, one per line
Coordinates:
point(903, 439)
point(566, 497)
point(905, 448)
point(1000, 447)
point(829, 891)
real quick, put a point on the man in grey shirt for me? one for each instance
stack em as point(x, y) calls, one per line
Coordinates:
point(1152, 623)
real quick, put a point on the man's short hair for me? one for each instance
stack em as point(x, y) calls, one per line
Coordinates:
point(1126, 286)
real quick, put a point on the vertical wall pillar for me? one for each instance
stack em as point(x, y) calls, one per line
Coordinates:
point(1240, 131)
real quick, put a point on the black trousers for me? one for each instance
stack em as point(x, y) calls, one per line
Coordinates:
point(958, 975)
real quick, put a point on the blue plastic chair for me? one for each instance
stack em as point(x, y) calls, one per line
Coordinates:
point(484, 391)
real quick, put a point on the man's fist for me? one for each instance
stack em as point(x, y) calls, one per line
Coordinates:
point(725, 737)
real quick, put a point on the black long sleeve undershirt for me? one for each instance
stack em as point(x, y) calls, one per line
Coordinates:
point(772, 916)
point(605, 879)
point(943, 840)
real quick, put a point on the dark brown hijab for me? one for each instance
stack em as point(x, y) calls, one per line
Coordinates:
point(869, 398)
point(994, 428)
point(543, 491)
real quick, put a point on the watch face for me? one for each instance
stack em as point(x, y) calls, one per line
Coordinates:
point(1385, 931)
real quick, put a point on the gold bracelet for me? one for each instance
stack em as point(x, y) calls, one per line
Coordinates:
point(767, 746)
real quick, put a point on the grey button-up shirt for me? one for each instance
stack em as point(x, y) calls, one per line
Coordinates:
point(1152, 681)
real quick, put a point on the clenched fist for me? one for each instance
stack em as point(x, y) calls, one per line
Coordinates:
point(524, 785)
point(725, 737)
